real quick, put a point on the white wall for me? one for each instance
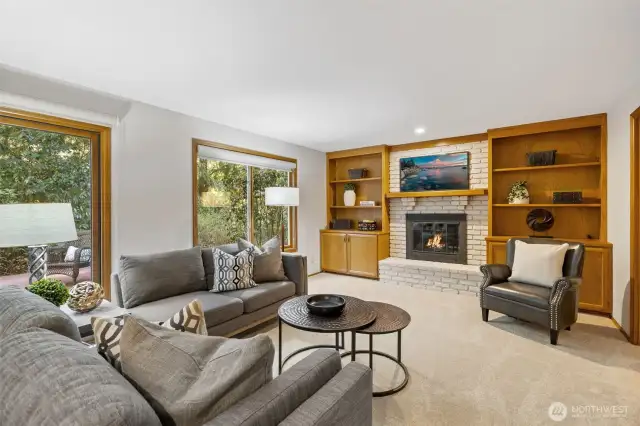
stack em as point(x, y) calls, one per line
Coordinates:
point(151, 169)
point(618, 211)
point(151, 174)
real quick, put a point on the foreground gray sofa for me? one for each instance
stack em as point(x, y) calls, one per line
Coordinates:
point(166, 282)
point(50, 378)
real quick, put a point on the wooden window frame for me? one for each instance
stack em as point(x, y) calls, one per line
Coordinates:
point(293, 181)
point(100, 137)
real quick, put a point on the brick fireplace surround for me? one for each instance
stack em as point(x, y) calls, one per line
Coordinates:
point(397, 270)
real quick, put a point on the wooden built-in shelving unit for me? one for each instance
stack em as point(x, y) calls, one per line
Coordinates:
point(352, 251)
point(581, 145)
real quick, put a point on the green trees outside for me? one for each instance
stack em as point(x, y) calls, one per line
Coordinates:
point(222, 202)
point(43, 167)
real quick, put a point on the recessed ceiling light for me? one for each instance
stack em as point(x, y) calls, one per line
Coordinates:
point(419, 130)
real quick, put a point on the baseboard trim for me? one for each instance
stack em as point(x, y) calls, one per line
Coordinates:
point(315, 273)
point(619, 327)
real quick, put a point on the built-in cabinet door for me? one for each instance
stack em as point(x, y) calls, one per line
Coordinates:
point(363, 255)
point(496, 252)
point(595, 291)
point(334, 252)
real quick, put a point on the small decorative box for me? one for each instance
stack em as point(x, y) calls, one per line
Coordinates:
point(367, 225)
point(368, 203)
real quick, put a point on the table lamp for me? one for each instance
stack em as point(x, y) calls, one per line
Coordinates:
point(282, 196)
point(35, 226)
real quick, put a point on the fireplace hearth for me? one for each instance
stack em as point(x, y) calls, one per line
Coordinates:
point(438, 237)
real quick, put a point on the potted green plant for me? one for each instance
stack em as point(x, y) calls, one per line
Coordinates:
point(349, 194)
point(518, 193)
point(50, 289)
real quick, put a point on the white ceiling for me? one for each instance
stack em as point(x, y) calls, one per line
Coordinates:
point(333, 74)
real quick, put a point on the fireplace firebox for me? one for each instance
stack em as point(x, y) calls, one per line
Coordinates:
point(437, 237)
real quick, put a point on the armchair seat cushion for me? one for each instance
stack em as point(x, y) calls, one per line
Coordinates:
point(528, 294)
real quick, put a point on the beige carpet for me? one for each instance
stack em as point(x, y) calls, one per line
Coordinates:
point(505, 372)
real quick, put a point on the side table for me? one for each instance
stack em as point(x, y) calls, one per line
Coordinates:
point(356, 314)
point(389, 319)
point(83, 321)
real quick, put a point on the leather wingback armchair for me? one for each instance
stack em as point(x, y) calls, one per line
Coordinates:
point(555, 308)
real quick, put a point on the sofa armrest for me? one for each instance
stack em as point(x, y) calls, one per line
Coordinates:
point(295, 268)
point(495, 274)
point(274, 401)
point(116, 290)
point(344, 400)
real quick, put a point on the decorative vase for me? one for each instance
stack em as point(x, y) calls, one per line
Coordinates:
point(519, 193)
point(85, 296)
point(350, 198)
point(521, 200)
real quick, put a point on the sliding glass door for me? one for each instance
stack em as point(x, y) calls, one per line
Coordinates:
point(229, 195)
point(45, 163)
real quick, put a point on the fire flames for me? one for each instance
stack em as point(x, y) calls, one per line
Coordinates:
point(435, 242)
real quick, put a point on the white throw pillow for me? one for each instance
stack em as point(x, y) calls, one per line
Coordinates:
point(539, 264)
point(71, 254)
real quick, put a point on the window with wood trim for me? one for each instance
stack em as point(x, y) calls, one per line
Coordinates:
point(46, 159)
point(229, 195)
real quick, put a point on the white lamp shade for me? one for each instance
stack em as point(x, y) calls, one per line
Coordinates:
point(36, 224)
point(282, 196)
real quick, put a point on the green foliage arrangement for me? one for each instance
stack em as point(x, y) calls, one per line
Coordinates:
point(349, 186)
point(50, 289)
point(518, 190)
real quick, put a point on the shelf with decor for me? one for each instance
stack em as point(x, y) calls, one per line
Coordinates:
point(356, 207)
point(533, 206)
point(354, 176)
point(562, 160)
point(356, 180)
point(550, 167)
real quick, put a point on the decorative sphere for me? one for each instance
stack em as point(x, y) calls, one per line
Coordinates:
point(85, 296)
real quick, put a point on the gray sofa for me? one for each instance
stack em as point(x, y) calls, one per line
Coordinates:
point(50, 378)
point(188, 275)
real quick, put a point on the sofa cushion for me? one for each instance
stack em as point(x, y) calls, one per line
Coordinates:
point(528, 294)
point(207, 259)
point(48, 379)
point(539, 264)
point(189, 379)
point(263, 295)
point(20, 309)
point(267, 264)
point(232, 272)
point(108, 331)
point(217, 308)
point(147, 278)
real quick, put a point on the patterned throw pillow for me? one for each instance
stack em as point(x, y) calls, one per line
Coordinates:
point(232, 272)
point(107, 331)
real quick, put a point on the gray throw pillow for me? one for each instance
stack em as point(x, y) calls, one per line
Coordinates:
point(151, 277)
point(232, 272)
point(267, 266)
point(189, 379)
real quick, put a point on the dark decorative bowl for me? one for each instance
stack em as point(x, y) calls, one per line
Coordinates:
point(326, 305)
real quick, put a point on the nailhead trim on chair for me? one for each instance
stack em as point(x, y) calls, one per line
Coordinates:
point(560, 288)
point(485, 283)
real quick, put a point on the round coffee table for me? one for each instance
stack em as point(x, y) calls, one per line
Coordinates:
point(389, 319)
point(294, 312)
